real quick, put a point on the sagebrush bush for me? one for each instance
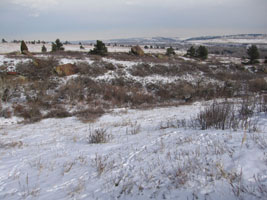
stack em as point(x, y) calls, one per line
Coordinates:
point(98, 136)
point(41, 70)
point(95, 69)
point(89, 114)
point(58, 113)
point(31, 114)
point(217, 115)
point(258, 84)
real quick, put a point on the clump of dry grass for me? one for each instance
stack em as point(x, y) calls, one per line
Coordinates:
point(98, 136)
point(90, 114)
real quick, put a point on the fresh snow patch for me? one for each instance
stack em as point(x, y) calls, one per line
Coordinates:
point(119, 62)
point(160, 161)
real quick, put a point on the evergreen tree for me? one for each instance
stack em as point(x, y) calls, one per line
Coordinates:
point(253, 53)
point(202, 52)
point(44, 49)
point(57, 45)
point(191, 52)
point(4, 41)
point(23, 46)
point(99, 48)
point(170, 51)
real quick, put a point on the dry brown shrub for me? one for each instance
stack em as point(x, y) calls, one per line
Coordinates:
point(258, 84)
point(93, 70)
point(98, 136)
point(41, 70)
point(59, 112)
point(31, 114)
point(89, 114)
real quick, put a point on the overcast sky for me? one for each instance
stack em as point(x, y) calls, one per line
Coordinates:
point(109, 19)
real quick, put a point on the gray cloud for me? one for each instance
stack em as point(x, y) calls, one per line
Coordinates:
point(92, 19)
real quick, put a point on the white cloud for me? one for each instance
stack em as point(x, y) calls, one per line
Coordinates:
point(36, 6)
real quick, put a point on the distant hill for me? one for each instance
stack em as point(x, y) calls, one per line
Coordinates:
point(234, 39)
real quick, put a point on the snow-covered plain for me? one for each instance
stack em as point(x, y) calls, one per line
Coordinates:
point(52, 159)
point(36, 48)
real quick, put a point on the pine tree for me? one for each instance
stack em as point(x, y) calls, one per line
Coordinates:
point(202, 52)
point(44, 49)
point(57, 46)
point(99, 48)
point(170, 51)
point(191, 52)
point(253, 53)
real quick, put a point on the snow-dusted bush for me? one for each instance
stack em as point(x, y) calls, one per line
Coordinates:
point(45, 68)
point(98, 136)
point(93, 70)
point(218, 116)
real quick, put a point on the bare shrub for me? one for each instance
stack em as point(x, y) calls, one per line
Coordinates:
point(218, 116)
point(31, 114)
point(263, 104)
point(40, 69)
point(94, 70)
point(100, 164)
point(134, 129)
point(98, 136)
point(258, 84)
point(59, 112)
point(247, 108)
point(78, 89)
point(141, 70)
point(90, 114)
point(6, 113)
point(144, 69)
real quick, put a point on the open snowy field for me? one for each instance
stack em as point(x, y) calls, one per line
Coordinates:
point(149, 154)
point(36, 48)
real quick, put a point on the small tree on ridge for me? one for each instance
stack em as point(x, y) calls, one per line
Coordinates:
point(99, 49)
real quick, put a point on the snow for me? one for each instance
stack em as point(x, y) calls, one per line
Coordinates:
point(73, 61)
point(119, 62)
point(52, 159)
point(10, 63)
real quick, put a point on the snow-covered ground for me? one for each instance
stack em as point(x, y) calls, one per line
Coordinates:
point(36, 48)
point(149, 156)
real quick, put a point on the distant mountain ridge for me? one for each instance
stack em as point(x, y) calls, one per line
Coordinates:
point(239, 38)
